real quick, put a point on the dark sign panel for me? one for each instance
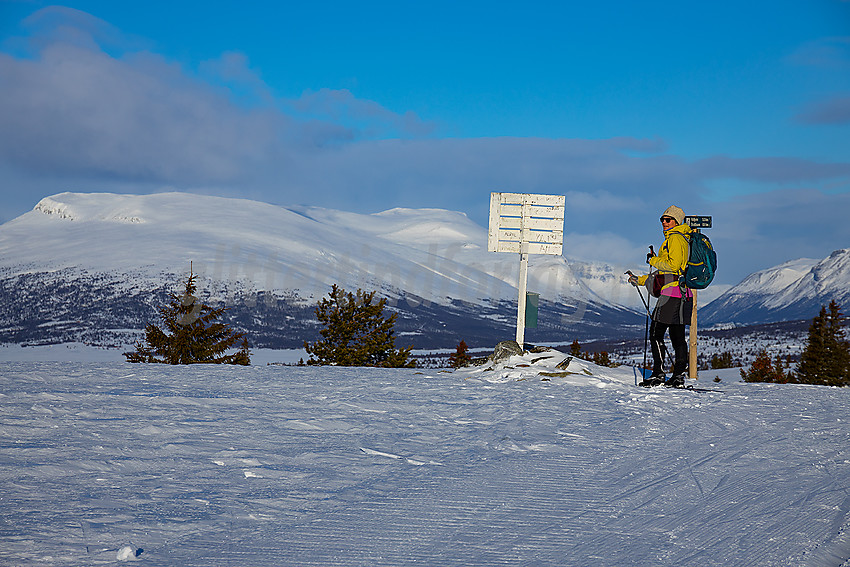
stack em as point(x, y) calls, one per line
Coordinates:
point(698, 221)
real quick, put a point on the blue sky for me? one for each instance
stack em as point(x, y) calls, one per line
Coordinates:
point(740, 110)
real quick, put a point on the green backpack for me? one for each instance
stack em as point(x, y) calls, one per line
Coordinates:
point(702, 262)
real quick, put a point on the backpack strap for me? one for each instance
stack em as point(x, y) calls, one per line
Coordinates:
point(682, 287)
point(687, 238)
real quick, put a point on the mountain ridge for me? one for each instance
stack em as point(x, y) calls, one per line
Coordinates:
point(94, 266)
point(790, 291)
point(77, 256)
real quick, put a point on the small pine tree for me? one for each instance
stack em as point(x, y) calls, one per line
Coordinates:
point(722, 360)
point(764, 369)
point(575, 349)
point(826, 357)
point(356, 332)
point(602, 359)
point(192, 334)
point(461, 357)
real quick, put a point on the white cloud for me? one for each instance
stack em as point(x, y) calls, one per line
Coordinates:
point(79, 111)
point(600, 202)
point(70, 107)
point(826, 52)
point(835, 110)
point(341, 106)
point(614, 248)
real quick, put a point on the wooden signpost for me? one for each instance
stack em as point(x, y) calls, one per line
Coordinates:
point(696, 223)
point(525, 224)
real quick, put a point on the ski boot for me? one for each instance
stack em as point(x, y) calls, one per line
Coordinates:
point(676, 381)
point(654, 379)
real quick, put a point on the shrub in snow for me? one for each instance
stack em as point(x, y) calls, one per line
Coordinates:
point(722, 360)
point(192, 334)
point(356, 332)
point(764, 369)
point(461, 356)
point(598, 358)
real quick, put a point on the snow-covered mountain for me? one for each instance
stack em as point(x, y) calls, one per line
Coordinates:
point(93, 267)
point(791, 291)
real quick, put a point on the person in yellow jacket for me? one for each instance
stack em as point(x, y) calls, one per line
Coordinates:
point(673, 308)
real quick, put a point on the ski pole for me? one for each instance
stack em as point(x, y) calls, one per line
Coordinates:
point(645, 304)
point(645, 342)
point(646, 332)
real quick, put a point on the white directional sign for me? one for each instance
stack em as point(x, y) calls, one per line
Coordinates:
point(519, 218)
point(525, 224)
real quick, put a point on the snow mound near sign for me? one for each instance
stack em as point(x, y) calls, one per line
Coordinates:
point(549, 365)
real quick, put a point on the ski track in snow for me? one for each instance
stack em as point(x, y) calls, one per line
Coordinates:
point(273, 465)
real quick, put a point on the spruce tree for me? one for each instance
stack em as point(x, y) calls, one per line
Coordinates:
point(575, 349)
point(826, 357)
point(356, 333)
point(764, 369)
point(722, 360)
point(461, 356)
point(602, 359)
point(191, 335)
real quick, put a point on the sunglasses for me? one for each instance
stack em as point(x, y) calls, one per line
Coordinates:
point(667, 219)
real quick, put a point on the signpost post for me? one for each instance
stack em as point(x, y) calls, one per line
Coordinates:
point(696, 223)
point(525, 224)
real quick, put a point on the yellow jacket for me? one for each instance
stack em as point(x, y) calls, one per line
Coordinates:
point(672, 258)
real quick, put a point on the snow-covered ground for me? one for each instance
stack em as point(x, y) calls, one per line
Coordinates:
point(104, 462)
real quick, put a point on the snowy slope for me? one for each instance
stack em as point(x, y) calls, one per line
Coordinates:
point(431, 264)
point(793, 290)
point(538, 461)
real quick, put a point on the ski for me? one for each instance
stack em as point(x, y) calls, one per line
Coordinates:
point(688, 387)
point(693, 389)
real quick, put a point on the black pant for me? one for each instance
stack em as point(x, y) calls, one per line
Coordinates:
point(659, 351)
